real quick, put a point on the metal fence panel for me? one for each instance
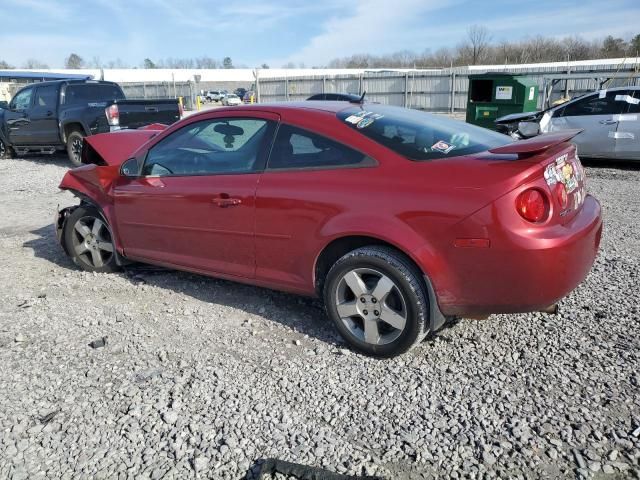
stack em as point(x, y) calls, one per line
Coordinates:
point(437, 91)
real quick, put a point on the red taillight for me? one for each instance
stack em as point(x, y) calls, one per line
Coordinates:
point(113, 115)
point(532, 205)
point(561, 195)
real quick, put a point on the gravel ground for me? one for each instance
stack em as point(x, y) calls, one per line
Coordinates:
point(203, 378)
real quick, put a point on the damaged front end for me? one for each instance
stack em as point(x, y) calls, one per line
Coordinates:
point(60, 222)
point(524, 125)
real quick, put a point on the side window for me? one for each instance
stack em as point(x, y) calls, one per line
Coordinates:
point(298, 148)
point(633, 99)
point(233, 145)
point(594, 105)
point(46, 97)
point(22, 101)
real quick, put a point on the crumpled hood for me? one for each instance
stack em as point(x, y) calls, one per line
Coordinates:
point(116, 147)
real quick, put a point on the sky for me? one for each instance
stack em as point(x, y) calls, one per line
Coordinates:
point(309, 32)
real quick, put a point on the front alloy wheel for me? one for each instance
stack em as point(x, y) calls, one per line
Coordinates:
point(88, 240)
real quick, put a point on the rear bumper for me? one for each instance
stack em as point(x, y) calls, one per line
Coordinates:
point(521, 273)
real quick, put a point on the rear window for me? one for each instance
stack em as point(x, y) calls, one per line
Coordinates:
point(83, 94)
point(419, 135)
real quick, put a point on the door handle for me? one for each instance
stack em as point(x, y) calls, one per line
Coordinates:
point(608, 122)
point(224, 201)
point(49, 113)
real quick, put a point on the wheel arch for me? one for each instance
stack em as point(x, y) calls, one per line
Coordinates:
point(344, 244)
point(72, 126)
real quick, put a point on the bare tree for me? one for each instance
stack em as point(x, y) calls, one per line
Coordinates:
point(479, 39)
point(4, 65)
point(206, 62)
point(33, 64)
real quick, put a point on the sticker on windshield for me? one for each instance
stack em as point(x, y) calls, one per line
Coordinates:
point(365, 122)
point(356, 118)
point(442, 147)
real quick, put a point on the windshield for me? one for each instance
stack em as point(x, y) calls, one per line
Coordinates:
point(419, 135)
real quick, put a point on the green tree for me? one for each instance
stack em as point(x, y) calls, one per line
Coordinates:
point(74, 61)
point(613, 47)
point(148, 63)
point(634, 46)
point(227, 63)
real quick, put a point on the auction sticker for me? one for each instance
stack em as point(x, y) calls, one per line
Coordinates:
point(442, 147)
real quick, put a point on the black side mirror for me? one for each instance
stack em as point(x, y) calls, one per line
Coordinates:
point(129, 168)
point(4, 105)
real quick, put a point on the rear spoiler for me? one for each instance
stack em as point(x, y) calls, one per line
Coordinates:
point(534, 145)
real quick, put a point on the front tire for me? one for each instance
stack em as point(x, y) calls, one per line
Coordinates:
point(74, 147)
point(89, 242)
point(6, 152)
point(377, 300)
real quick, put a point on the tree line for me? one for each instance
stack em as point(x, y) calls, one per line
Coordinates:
point(478, 48)
point(75, 61)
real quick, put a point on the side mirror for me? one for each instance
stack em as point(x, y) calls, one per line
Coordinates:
point(129, 168)
point(529, 129)
point(4, 105)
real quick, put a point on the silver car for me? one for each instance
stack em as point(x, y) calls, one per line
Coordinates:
point(610, 120)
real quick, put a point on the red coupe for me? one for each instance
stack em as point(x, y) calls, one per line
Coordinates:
point(398, 219)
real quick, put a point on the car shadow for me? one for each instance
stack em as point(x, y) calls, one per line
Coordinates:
point(619, 164)
point(58, 159)
point(299, 314)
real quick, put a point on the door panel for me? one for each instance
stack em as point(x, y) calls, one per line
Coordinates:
point(597, 115)
point(17, 118)
point(44, 123)
point(182, 221)
point(194, 205)
point(628, 132)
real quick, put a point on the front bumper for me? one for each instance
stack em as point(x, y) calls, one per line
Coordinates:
point(59, 223)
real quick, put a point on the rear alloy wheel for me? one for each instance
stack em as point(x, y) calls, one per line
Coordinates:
point(376, 299)
point(74, 147)
point(88, 241)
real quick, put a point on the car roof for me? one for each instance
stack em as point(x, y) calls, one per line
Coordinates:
point(69, 82)
point(283, 107)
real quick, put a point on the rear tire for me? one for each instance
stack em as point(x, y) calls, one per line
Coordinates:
point(377, 300)
point(74, 147)
point(88, 240)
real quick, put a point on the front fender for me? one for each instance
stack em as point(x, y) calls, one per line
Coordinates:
point(94, 184)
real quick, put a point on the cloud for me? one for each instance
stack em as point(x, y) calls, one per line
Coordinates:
point(49, 9)
point(381, 27)
point(373, 26)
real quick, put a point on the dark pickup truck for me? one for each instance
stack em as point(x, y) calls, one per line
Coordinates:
point(50, 116)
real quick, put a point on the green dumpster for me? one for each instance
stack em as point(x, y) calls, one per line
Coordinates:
point(493, 95)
